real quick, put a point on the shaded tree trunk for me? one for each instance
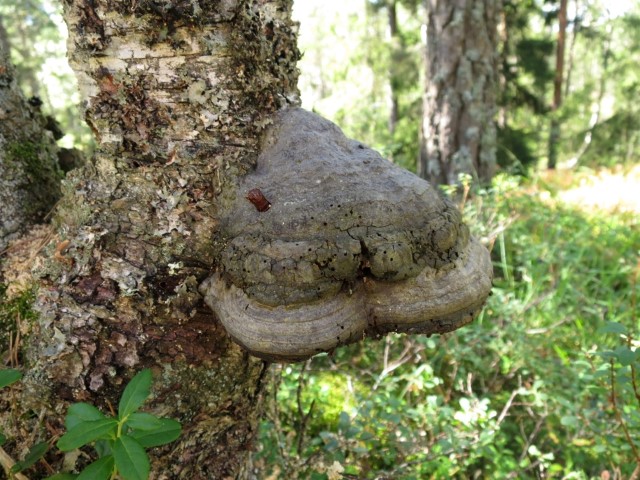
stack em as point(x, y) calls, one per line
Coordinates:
point(177, 94)
point(29, 172)
point(554, 130)
point(577, 25)
point(458, 132)
point(4, 41)
point(504, 40)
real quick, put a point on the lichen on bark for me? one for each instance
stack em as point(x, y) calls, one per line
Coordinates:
point(178, 95)
point(458, 133)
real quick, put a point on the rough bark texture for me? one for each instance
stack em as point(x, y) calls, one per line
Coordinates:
point(394, 33)
point(29, 173)
point(458, 130)
point(4, 39)
point(177, 94)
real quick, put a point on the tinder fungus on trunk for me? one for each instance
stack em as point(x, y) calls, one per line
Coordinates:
point(349, 245)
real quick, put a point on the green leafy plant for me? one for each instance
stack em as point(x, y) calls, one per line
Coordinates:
point(35, 453)
point(120, 441)
point(617, 371)
point(7, 377)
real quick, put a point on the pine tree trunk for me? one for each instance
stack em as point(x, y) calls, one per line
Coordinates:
point(396, 41)
point(554, 128)
point(177, 94)
point(458, 131)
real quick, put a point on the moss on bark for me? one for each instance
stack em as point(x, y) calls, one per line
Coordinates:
point(29, 172)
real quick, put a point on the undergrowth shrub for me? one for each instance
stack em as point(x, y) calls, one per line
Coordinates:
point(523, 392)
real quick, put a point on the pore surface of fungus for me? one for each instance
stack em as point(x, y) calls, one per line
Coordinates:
point(349, 245)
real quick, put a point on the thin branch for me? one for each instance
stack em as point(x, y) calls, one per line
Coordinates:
point(618, 414)
point(550, 328)
point(634, 283)
point(506, 408)
point(403, 358)
point(531, 437)
point(634, 381)
point(304, 417)
point(277, 380)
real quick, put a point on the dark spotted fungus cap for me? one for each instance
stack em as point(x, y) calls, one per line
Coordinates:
point(327, 242)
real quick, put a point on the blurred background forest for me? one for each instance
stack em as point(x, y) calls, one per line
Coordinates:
point(544, 384)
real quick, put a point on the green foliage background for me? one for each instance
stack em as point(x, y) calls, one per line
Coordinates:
point(524, 392)
point(528, 390)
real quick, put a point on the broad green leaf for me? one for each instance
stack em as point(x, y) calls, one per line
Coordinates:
point(135, 393)
point(9, 376)
point(344, 421)
point(601, 449)
point(625, 355)
point(81, 412)
point(63, 476)
point(166, 433)
point(614, 327)
point(570, 421)
point(35, 453)
point(103, 447)
point(607, 355)
point(86, 432)
point(2, 438)
point(101, 469)
point(131, 459)
point(143, 421)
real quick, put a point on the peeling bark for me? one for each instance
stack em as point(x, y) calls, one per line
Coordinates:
point(177, 94)
point(458, 133)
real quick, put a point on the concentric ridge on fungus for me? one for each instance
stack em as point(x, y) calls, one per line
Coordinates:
point(351, 245)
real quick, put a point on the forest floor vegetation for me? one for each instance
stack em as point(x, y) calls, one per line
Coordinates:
point(544, 384)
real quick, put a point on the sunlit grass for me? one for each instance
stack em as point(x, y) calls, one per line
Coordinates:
point(607, 190)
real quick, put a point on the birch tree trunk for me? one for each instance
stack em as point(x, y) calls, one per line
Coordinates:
point(177, 94)
point(458, 132)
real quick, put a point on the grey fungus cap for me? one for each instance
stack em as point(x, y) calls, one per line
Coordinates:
point(326, 242)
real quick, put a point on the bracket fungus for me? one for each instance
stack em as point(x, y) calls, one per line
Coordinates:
point(347, 245)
